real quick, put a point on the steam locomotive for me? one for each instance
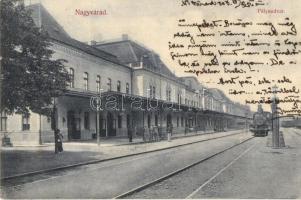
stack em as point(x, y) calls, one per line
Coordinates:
point(261, 123)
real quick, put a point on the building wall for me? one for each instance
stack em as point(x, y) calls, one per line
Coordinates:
point(19, 136)
point(143, 79)
point(82, 62)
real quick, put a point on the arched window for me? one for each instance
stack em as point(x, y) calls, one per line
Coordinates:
point(98, 83)
point(127, 90)
point(168, 93)
point(150, 92)
point(71, 74)
point(154, 92)
point(179, 98)
point(109, 84)
point(118, 86)
point(86, 81)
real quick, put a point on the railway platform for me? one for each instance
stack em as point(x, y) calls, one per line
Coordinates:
point(28, 159)
point(234, 166)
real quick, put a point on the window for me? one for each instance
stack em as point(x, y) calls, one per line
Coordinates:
point(150, 91)
point(86, 81)
point(86, 120)
point(178, 121)
point(118, 86)
point(71, 74)
point(119, 121)
point(127, 89)
point(168, 94)
point(25, 122)
point(109, 84)
point(3, 121)
point(98, 83)
point(154, 92)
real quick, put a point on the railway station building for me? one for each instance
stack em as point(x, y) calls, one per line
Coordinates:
point(128, 86)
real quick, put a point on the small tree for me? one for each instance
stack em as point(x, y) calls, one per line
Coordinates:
point(31, 77)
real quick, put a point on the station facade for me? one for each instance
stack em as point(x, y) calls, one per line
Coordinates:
point(135, 89)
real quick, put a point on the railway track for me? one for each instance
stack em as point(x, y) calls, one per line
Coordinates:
point(176, 172)
point(42, 174)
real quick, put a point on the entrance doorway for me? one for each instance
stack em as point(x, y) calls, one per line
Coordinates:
point(102, 126)
point(111, 124)
point(73, 126)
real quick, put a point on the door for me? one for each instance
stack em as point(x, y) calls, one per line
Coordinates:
point(73, 125)
point(111, 124)
point(102, 124)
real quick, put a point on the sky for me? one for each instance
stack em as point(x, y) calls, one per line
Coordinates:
point(153, 23)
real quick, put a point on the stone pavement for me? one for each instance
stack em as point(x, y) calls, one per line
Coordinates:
point(19, 160)
point(262, 173)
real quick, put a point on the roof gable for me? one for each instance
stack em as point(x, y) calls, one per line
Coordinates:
point(43, 19)
point(130, 52)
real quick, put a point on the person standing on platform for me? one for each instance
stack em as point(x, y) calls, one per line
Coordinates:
point(169, 131)
point(130, 134)
point(58, 141)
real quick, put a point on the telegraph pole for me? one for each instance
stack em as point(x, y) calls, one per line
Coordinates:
point(98, 108)
point(275, 120)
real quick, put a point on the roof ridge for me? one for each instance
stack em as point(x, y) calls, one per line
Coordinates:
point(43, 10)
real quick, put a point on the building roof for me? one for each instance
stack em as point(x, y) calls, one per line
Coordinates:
point(218, 94)
point(196, 86)
point(131, 52)
point(43, 19)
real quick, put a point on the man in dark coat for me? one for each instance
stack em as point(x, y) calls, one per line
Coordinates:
point(58, 141)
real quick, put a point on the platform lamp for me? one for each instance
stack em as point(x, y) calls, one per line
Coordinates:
point(98, 109)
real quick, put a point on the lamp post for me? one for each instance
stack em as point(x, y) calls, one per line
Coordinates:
point(98, 104)
point(95, 103)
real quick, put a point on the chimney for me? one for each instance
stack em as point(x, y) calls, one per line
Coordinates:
point(93, 42)
point(125, 37)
